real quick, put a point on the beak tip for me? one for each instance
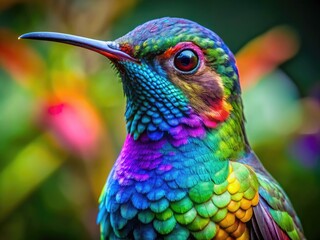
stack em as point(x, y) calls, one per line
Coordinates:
point(37, 35)
point(21, 36)
point(26, 36)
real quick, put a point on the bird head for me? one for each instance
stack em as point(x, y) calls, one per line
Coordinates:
point(176, 74)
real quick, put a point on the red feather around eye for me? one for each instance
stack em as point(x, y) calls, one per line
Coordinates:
point(127, 48)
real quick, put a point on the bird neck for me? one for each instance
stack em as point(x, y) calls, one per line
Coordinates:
point(230, 135)
point(189, 149)
point(227, 138)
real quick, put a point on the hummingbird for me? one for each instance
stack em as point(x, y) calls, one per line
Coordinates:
point(186, 169)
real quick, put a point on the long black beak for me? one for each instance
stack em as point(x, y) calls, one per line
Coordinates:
point(108, 49)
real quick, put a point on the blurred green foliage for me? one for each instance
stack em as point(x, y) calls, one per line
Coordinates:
point(52, 169)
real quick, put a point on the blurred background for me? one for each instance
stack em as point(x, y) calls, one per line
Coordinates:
point(61, 107)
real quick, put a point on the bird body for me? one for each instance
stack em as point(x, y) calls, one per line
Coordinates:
point(186, 169)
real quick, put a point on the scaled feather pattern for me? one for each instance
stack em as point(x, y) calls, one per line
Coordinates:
point(186, 169)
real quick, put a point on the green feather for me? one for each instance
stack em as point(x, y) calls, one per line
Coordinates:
point(201, 192)
point(207, 209)
point(159, 206)
point(221, 214)
point(187, 217)
point(220, 188)
point(207, 233)
point(182, 206)
point(237, 196)
point(166, 214)
point(198, 223)
point(249, 193)
point(164, 227)
point(178, 233)
point(146, 216)
point(222, 200)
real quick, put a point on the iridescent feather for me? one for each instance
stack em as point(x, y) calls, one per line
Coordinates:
point(186, 170)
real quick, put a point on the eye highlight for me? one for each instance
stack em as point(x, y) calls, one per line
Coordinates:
point(186, 60)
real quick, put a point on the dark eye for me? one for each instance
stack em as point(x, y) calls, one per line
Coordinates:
point(186, 60)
